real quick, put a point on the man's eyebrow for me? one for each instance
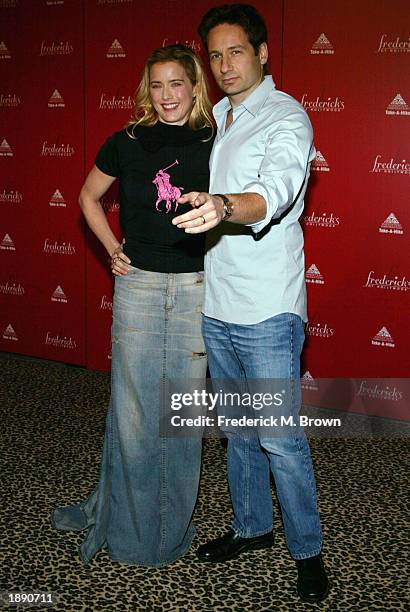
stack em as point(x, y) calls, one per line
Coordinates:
point(238, 46)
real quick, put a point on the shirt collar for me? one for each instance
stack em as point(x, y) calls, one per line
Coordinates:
point(253, 103)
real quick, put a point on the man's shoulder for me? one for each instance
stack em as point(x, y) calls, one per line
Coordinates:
point(278, 97)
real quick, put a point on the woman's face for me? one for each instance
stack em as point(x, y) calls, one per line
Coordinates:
point(172, 93)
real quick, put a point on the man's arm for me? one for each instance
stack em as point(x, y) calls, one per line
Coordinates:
point(280, 179)
point(208, 210)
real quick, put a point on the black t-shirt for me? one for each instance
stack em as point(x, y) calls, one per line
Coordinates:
point(154, 168)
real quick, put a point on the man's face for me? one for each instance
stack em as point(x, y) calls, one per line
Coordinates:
point(236, 68)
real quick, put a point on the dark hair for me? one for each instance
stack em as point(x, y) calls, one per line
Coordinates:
point(244, 15)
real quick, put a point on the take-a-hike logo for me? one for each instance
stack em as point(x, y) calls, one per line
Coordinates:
point(398, 106)
point(313, 275)
point(5, 149)
point(116, 50)
point(391, 225)
point(320, 219)
point(325, 104)
point(322, 46)
point(387, 281)
point(9, 100)
point(308, 383)
point(4, 52)
point(54, 2)
point(393, 46)
point(57, 199)
point(7, 243)
point(383, 338)
point(391, 166)
point(319, 164)
point(9, 333)
point(56, 100)
point(58, 295)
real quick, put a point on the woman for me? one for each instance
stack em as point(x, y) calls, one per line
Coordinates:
point(142, 509)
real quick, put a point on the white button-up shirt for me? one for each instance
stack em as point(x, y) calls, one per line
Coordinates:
point(257, 271)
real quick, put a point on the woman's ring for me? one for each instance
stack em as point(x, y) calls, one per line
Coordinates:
point(203, 219)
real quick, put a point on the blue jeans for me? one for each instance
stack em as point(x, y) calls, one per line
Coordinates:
point(142, 508)
point(270, 350)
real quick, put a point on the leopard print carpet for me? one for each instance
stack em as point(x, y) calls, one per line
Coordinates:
point(52, 423)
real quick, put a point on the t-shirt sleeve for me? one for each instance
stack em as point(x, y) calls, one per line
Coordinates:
point(107, 157)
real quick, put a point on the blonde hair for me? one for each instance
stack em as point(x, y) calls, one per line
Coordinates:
point(144, 112)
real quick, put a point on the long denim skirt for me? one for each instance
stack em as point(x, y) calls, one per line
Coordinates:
point(141, 510)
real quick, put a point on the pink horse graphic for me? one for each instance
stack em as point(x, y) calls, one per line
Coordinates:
point(166, 191)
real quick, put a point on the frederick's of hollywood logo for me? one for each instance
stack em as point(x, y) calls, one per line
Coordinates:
point(109, 2)
point(398, 106)
point(9, 333)
point(56, 100)
point(392, 283)
point(308, 383)
point(116, 49)
point(319, 164)
point(393, 46)
point(9, 100)
point(324, 219)
point(322, 46)
point(58, 248)
point(390, 167)
point(313, 275)
point(11, 288)
point(5, 149)
point(9, 3)
point(53, 48)
point(105, 303)
point(12, 197)
point(4, 52)
point(318, 104)
point(192, 44)
point(60, 341)
point(109, 204)
point(319, 330)
point(391, 225)
point(54, 2)
point(58, 295)
point(383, 338)
point(7, 243)
point(57, 199)
point(374, 391)
point(115, 102)
point(56, 150)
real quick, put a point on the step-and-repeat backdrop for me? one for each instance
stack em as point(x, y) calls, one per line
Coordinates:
point(68, 73)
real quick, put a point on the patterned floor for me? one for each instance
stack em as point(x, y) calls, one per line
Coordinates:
point(52, 420)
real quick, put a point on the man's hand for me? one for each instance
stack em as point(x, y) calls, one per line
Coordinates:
point(207, 212)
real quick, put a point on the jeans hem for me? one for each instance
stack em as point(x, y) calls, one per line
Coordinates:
point(253, 535)
point(301, 556)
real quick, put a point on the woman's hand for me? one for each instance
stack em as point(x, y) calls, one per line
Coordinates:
point(119, 261)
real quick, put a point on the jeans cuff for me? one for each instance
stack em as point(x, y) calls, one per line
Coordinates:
point(301, 556)
point(253, 535)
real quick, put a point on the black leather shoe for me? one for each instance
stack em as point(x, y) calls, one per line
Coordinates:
point(231, 545)
point(313, 584)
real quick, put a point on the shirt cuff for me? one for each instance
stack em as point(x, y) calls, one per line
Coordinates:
point(262, 191)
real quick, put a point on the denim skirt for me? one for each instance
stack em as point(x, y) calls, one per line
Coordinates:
point(141, 511)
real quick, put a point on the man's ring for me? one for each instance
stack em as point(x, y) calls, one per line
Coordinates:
point(203, 219)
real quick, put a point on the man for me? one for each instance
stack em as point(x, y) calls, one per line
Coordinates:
point(255, 300)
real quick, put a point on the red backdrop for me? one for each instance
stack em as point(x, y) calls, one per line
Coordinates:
point(68, 72)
